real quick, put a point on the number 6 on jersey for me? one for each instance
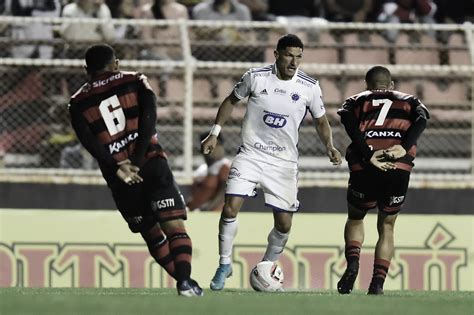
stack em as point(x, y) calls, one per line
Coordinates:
point(386, 103)
point(113, 115)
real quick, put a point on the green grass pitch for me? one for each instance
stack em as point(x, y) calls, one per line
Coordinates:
point(18, 301)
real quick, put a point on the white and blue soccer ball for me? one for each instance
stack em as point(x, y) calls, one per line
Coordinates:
point(267, 276)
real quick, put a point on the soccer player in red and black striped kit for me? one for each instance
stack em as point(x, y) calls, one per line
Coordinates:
point(114, 117)
point(384, 126)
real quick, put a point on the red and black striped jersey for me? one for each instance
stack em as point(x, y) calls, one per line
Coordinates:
point(382, 118)
point(107, 114)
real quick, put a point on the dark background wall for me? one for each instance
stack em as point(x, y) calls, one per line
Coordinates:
point(313, 199)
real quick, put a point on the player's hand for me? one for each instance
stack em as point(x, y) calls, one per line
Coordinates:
point(394, 152)
point(379, 160)
point(208, 144)
point(334, 156)
point(128, 173)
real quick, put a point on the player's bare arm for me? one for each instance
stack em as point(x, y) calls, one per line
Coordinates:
point(223, 114)
point(325, 134)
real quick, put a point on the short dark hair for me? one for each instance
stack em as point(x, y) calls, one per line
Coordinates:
point(98, 57)
point(378, 75)
point(289, 40)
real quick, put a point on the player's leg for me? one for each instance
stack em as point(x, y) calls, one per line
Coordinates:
point(359, 201)
point(181, 250)
point(131, 203)
point(228, 226)
point(279, 235)
point(158, 246)
point(166, 204)
point(243, 176)
point(280, 187)
point(383, 251)
point(395, 186)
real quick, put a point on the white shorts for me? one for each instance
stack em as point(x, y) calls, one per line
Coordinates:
point(279, 185)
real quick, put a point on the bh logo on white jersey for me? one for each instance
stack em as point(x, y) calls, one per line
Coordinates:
point(274, 120)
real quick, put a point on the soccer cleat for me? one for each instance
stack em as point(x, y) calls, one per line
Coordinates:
point(345, 285)
point(375, 290)
point(189, 288)
point(223, 272)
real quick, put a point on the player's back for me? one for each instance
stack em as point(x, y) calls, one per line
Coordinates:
point(384, 116)
point(109, 103)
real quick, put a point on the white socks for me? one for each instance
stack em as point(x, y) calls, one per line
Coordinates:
point(276, 244)
point(227, 231)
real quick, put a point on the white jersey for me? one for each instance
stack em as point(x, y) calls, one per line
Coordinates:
point(276, 108)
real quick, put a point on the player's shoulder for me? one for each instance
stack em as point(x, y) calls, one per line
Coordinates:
point(260, 71)
point(84, 90)
point(402, 95)
point(306, 80)
point(358, 98)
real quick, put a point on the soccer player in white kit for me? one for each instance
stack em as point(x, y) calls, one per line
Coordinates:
point(279, 96)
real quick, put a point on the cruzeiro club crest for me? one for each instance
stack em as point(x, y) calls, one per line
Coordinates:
point(295, 97)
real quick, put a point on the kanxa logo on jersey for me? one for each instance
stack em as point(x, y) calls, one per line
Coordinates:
point(380, 134)
point(117, 146)
point(274, 120)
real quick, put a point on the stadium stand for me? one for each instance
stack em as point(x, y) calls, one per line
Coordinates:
point(203, 71)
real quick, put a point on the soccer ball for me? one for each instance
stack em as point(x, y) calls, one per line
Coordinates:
point(266, 276)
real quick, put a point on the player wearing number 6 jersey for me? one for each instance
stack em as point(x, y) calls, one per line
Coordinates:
point(114, 117)
point(384, 126)
point(279, 97)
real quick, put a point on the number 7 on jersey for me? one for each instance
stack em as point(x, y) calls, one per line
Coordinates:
point(386, 103)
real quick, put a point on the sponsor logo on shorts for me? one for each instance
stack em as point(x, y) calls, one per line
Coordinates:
point(396, 200)
point(117, 146)
point(234, 172)
point(134, 220)
point(271, 147)
point(357, 194)
point(165, 203)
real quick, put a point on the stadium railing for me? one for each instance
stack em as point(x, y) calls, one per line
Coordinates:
point(193, 65)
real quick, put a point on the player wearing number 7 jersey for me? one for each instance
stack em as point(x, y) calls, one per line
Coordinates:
point(114, 117)
point(384, 126)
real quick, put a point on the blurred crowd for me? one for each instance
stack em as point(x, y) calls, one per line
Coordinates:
point(380, 11)
point(69, 40)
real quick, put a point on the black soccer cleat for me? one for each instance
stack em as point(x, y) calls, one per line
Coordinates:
point(375, 289)
point(345, 285)
point(189, 288)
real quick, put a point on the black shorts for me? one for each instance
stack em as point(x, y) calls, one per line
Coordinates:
point(371, 187)
point(156, 199)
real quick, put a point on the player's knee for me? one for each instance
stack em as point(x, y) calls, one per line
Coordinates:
point(283, 226)
point(356, 213)
point(229, 211)
point(172, 225)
